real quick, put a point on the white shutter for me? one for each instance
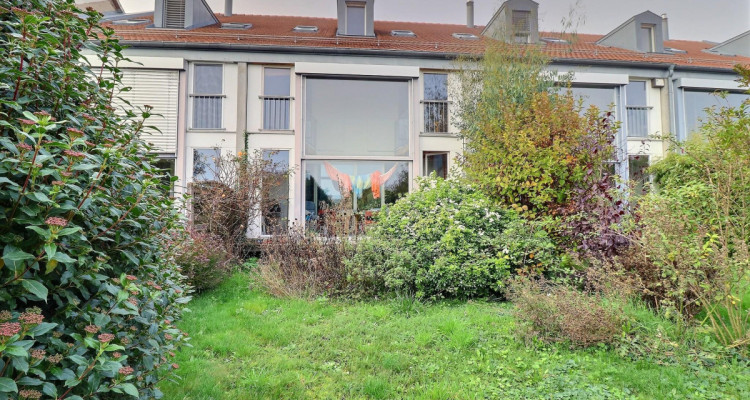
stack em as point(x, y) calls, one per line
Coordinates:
point(159, 89)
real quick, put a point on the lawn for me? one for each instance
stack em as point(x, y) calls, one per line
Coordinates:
point(249, 345)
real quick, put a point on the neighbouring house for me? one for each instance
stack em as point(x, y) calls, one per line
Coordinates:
point(364, 106)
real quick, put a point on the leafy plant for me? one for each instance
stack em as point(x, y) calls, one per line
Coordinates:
point(88, 291)
point(203, 259)
point(447, 239)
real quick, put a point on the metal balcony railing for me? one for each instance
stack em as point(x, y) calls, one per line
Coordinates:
point(207, 112)
point(276, 112)
point(638, 120)
point(435, 116)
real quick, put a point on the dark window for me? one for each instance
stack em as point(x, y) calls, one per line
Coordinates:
point(167, 166)
point(437, 163)
point(276, 202)
point(639, 177)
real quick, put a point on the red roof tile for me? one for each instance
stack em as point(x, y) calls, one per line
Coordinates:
point(435, 39)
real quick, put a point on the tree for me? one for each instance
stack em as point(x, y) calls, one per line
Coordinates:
point(88, 289)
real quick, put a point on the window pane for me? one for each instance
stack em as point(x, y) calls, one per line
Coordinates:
point(167, 165)
point(435, 86)
point(205, 164)
point(207, 79)
point(348, 117)
point(367, 185)
point(696, 103)
point(636, 93)
point(276, 204)
point(638, 176)
point(355, 20)
point(437, 163)
point(276, 82)
point(600, 97)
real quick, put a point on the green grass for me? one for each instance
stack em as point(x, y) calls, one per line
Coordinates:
point(248, 345)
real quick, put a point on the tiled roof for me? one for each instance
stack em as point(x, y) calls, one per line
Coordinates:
point(431, 39)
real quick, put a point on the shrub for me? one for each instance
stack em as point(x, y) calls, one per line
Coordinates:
point(694, 230)
point(560, 313)
point(448, 240)
point(88, 291)
point(203, 259)
point(299, 263)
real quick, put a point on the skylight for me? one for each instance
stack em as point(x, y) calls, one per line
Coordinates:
point(305, 29)
point(673, 50)
point(403, 33)
point(554, 40)
point(466, 36)
point(236, 25)
point(133, 21)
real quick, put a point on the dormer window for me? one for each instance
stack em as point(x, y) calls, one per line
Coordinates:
point(521, 26)
point(648, 32)
point(174, 14)
point(355, 18)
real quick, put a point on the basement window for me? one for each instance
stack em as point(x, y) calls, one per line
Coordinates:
point(236, 25)
point(466, 36)
point(305, 29)
point(402, 33)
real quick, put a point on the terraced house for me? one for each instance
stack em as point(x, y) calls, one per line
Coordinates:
point(370, 104)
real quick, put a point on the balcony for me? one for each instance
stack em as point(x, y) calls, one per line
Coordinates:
point(207, 112)
point(638, 121)
point(276, 112)
point(435, 116)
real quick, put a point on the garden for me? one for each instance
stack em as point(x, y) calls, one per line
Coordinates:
point(533, 272)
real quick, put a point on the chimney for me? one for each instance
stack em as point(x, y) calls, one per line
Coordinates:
point(227, 8)
point(664, 27)
point(470, 14)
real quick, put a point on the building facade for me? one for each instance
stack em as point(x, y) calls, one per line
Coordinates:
point(360, 107)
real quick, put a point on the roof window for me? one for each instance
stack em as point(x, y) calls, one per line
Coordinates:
point(236, 25)
point(673, 50)
point(133, 21)
point(403, 33)
point(466, 36)
point(305, 29)
point(554, 40)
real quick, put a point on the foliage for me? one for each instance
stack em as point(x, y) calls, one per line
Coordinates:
point(447, 239)
point(203, 259)
point(252, 345)
point(88, 293)
point(301, 263)
point(695, 230)
point(236, 199)
point(553, 313)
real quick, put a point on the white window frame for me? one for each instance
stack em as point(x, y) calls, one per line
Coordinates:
point(263, 97)
point(426, 153)
point(192, 96)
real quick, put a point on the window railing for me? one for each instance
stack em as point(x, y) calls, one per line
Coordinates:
point(276, 112)
point(207, 112)
point(435, 116)
point(638, 120)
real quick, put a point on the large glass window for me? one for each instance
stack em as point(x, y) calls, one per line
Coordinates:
point(206, 164)
point(601, 97)
point(696, 103)
point(276, 202)
point(436, 103)
point(207, 96)
point(366, 186)
point(355, 18)
point(637, 109)
point(276, 98)
point(352, 117)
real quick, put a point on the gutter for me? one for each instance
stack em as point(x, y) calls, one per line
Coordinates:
point(670, 93)
point(394, 54)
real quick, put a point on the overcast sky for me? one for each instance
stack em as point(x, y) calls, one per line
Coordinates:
point(715, 20)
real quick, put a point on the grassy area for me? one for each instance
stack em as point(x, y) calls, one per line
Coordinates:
point(248, 345)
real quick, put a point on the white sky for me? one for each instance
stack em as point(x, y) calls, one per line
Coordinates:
point(715, 20)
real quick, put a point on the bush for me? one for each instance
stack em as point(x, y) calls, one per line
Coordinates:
point(88, 291)
point(204, 261)
point(448, 240)
point(560, 313)
point(299, 263)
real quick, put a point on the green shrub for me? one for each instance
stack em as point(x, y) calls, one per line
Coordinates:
point(88, 291)
point(447, 240)
point(203, 259)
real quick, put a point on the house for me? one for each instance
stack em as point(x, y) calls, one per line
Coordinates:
point(359, 105)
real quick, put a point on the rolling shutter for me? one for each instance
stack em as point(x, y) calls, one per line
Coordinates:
point(174, 14)
point(159, 89)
